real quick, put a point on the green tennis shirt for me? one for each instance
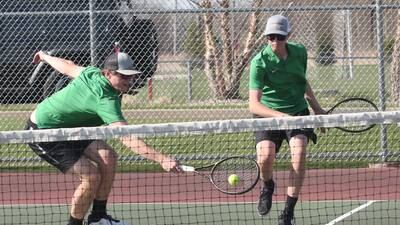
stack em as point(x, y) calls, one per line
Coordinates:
point(282, 82)
point(89, 100)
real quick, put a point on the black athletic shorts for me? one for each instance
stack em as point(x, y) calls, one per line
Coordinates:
point(277, 136)
point(62, 154)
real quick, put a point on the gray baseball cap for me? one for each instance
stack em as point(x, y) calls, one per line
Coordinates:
point(277, 24)
point(121, 63)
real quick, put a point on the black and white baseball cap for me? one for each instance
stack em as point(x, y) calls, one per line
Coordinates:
point(122, 63)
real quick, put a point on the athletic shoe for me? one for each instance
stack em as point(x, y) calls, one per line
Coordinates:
point(286, 219)
point(104, 220)
point(265, 199)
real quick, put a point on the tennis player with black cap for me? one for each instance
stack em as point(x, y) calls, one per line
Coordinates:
point(92, 98)
point(278, 87)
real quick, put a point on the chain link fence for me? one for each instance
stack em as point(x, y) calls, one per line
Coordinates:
point(195, 54)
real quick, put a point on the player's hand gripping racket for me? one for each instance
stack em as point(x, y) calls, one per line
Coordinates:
point(245, 170)
point(38, 69)
point(354, 105)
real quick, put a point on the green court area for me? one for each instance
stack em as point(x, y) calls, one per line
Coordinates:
point(232, 213)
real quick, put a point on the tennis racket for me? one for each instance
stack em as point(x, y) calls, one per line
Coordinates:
point(246, 170)
point(354, 105)
point(38, 69)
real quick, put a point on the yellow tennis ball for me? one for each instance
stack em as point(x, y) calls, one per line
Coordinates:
point(233, 179)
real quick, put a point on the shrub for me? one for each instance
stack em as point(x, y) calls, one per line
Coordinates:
point(325, 50)
point(193, 43)
point(388, 46)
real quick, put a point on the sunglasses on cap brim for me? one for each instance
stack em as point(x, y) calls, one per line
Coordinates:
point(278, 37)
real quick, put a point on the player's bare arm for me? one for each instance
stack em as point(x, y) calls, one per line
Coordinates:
point(63, 66)
point(259, 109)
point(312, 101)
point(140, 147)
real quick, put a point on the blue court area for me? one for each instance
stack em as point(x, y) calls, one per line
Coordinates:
point(235, 213)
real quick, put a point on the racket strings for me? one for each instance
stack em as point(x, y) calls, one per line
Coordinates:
point(246, 170)
point(354, 106)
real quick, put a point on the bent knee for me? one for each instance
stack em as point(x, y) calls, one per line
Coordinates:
point(103, 154)
point(266, 151)
point(92, 178)
point(299, 140)
point(110, 157)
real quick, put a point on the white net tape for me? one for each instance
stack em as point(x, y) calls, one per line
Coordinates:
point(198, 128)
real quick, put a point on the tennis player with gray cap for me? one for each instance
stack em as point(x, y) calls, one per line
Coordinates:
point(278, 87)
point(93, 98)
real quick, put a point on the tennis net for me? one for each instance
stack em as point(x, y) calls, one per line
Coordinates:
point(351, 178)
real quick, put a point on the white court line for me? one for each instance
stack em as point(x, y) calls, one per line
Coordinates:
point(178, 203)
point(342, 217)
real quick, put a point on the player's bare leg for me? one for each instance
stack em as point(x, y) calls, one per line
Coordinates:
point(106, 160)
point(84, 194)
point(298, 146)
point(265, 158)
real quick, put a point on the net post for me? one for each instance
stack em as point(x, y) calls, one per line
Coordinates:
point(381, 73)
point(189, 77)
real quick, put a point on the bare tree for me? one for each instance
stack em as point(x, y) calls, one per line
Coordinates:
point(224, 63)
point(395, 70)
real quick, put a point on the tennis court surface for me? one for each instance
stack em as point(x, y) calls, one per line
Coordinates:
point(341, 186)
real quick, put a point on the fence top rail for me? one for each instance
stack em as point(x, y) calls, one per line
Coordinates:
point(215, 10)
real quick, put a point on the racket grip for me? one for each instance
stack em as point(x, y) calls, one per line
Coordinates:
point(35, 73)
point(187, 168)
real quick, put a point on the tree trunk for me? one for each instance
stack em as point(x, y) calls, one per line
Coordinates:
point(223, 70)
point(227, 59)
point(251, 41)
point(395, 70)
point(211, 64)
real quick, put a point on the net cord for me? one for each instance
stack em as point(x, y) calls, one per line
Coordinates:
point(200, 128)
